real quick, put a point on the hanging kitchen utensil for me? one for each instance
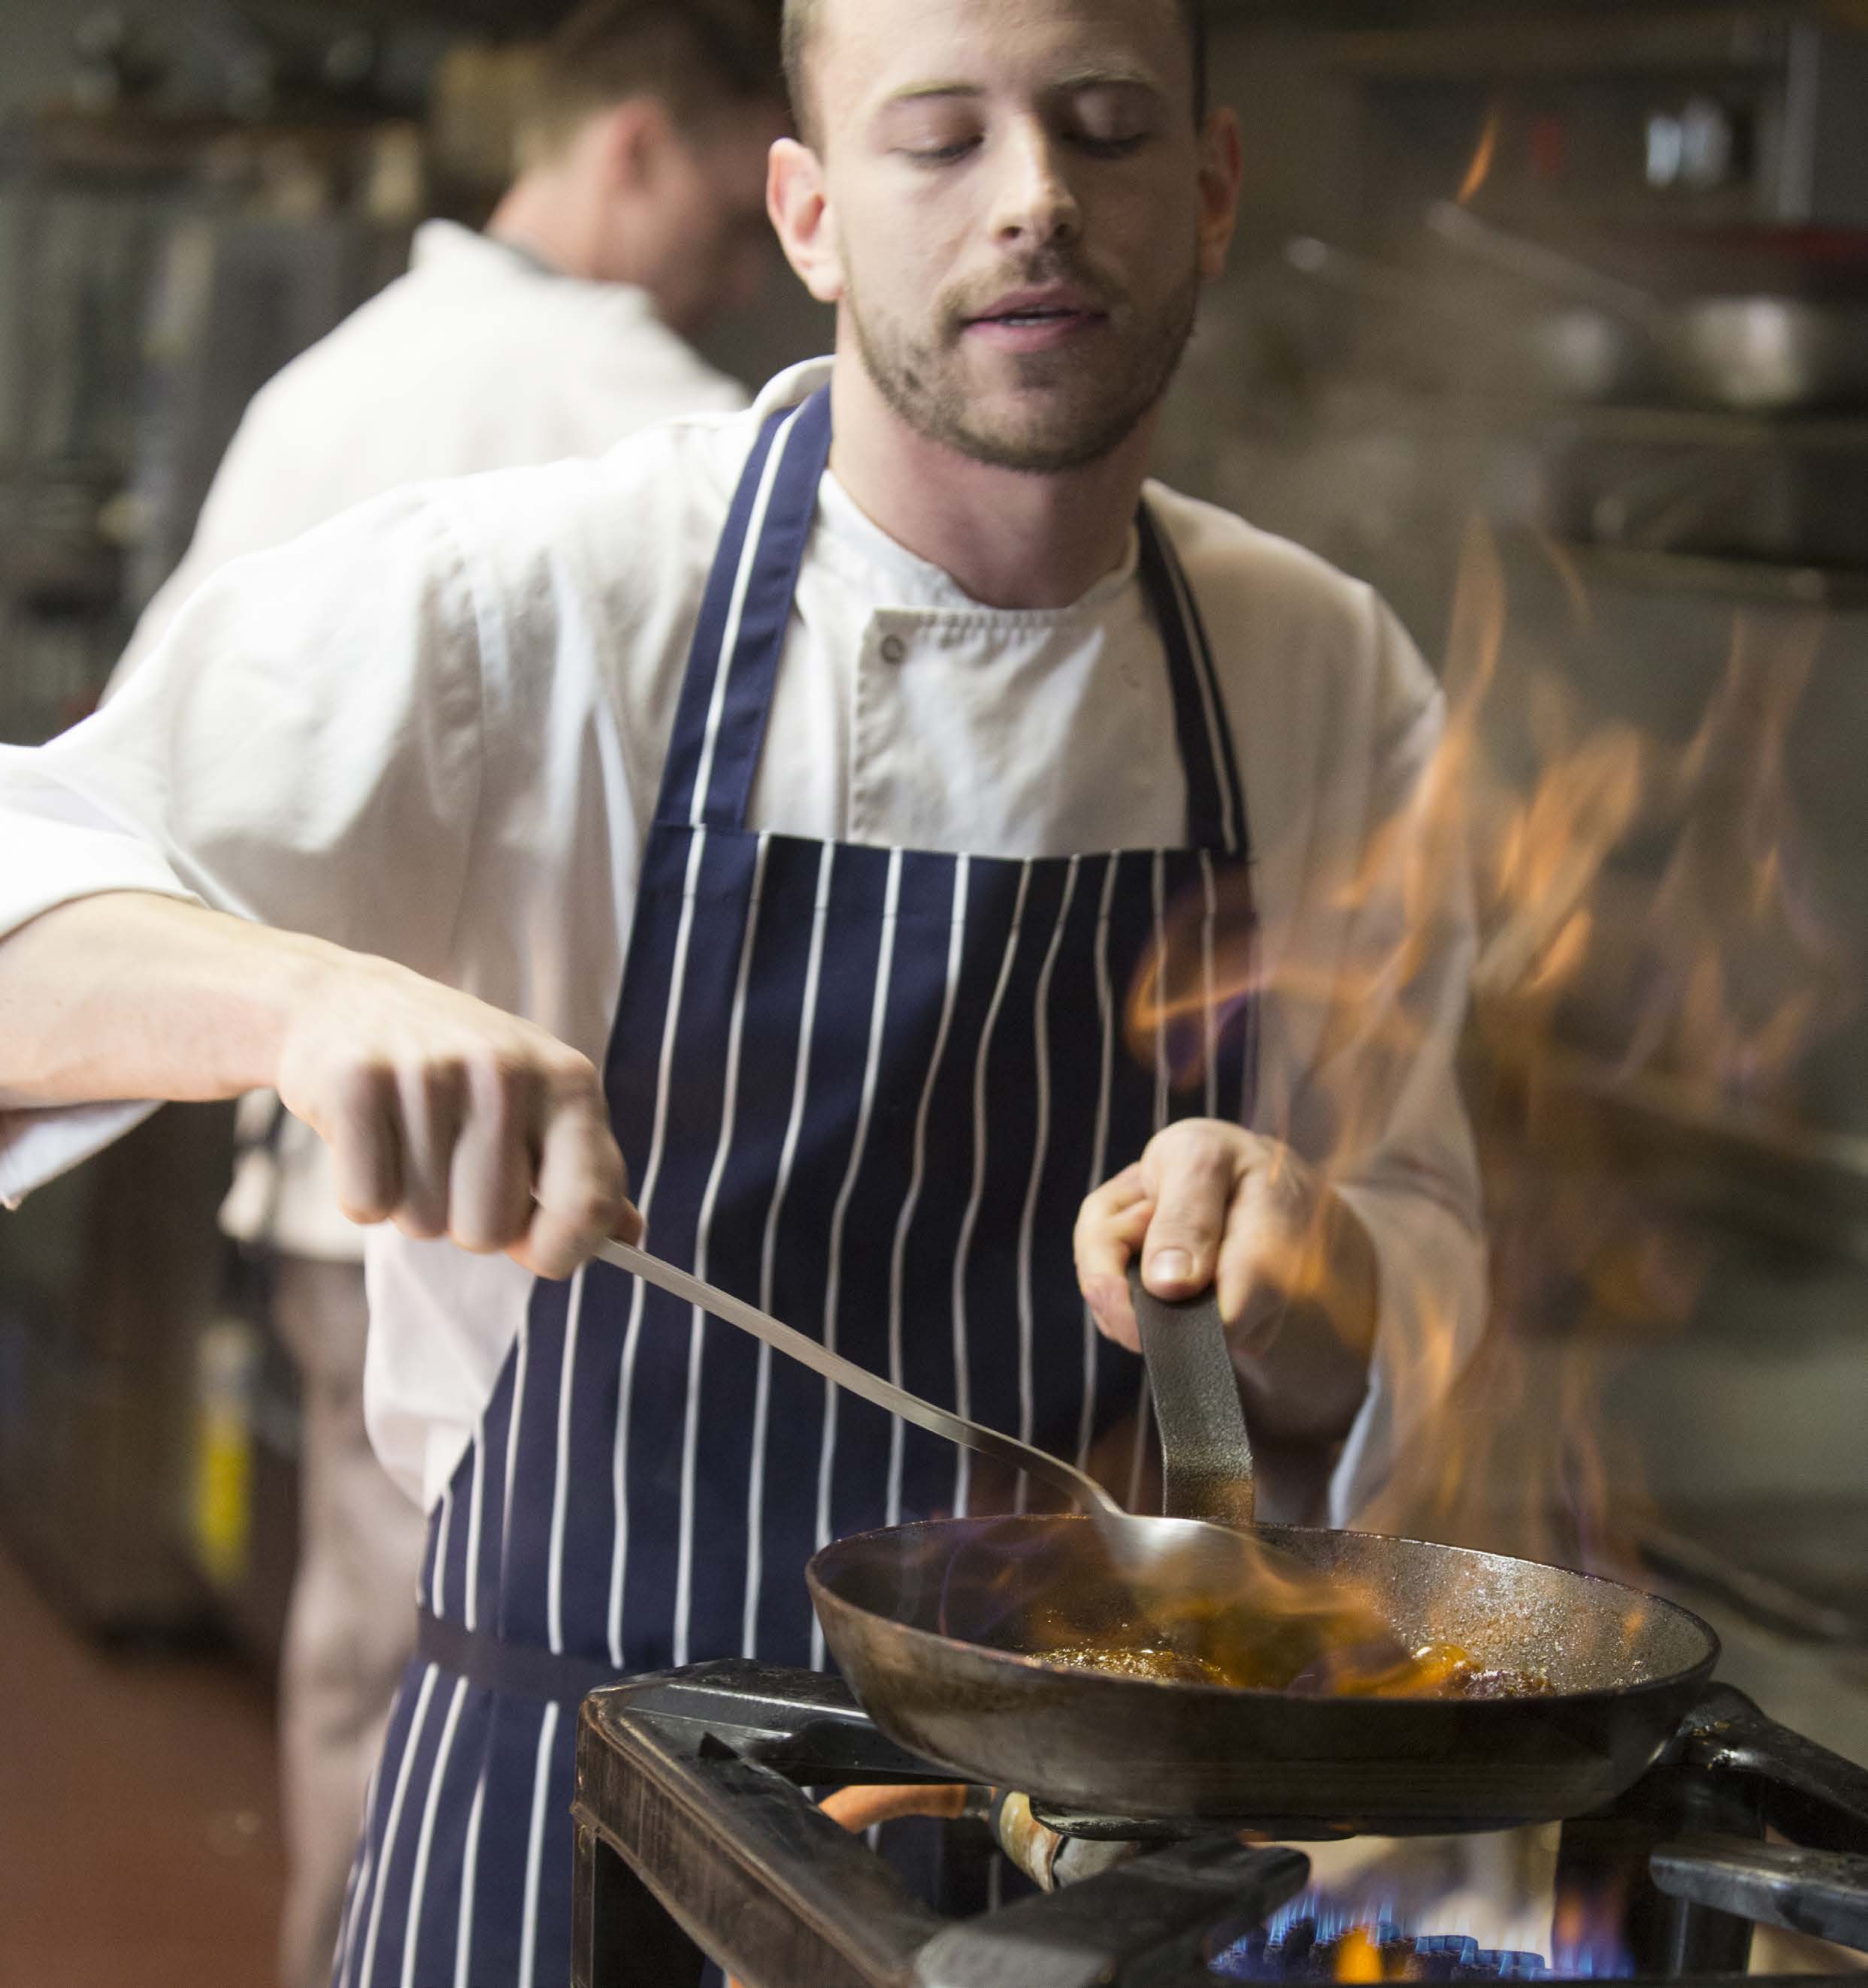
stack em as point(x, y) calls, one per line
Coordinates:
point(1757, 354)
point(1571, 352)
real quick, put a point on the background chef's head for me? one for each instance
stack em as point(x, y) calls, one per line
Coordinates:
point(963, 167)
point(641, 149)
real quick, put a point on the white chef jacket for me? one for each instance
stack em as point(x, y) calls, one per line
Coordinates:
point(434, 728)
point(479, 358)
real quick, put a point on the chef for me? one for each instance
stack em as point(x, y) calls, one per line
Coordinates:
point(638, 212)
point(782, 805)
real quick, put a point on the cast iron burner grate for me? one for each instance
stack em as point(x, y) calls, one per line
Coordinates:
point(694, 1836)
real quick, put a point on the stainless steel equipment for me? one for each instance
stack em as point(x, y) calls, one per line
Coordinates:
point(1686, 117)
point(1761, 353)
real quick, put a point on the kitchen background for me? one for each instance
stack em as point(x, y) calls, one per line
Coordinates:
point(1479, 345)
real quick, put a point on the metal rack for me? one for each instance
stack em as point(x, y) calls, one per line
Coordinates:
point(79, 234)
point(108, 435)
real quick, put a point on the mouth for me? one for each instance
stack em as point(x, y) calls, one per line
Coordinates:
point(1034, 320)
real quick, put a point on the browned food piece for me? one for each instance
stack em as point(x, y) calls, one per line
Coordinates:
point(1499, 1683)
point(1158, 1666)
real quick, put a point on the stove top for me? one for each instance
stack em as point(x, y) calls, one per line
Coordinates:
point(695, 1838)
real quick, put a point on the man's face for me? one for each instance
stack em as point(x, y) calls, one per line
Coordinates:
point(702, 239)
point(1023, 213)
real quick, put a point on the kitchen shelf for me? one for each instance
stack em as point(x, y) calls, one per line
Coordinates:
point(1798, 1183)
point(1756, 581)
point(1840, 431)
point(1708, 428)
point(1583, 37)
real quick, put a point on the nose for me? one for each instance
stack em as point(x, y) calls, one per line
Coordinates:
point(1034, 203)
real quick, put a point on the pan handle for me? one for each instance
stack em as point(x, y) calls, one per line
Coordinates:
point(1816, 1798)
point(1206, 1454)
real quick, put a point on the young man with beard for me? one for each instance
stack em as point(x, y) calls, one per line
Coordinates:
point(866, 744)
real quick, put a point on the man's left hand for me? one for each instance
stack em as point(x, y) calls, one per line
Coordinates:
point(1211, 1203)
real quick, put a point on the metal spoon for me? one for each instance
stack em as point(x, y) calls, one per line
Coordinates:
point(1162, 1560)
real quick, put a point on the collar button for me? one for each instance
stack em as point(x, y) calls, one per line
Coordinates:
point(894, 649)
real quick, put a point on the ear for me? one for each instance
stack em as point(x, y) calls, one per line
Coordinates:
point(799, 205)
point(1221, 171)
point(631, 139)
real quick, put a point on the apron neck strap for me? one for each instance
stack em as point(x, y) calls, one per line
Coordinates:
point(720, 723)
point(1215, 800)
point(746, 614)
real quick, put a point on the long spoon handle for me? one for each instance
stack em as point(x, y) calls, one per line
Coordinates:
point(1083, 1490)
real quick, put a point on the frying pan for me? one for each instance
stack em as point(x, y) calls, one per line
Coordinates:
point(941, 1629)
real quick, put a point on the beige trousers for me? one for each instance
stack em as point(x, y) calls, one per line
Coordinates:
point(352, 1623)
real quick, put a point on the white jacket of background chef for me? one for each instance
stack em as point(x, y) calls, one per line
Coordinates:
point(433, 729)
point(479, 358)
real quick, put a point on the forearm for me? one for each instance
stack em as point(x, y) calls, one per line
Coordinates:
point(443, 1115)
point(132, 995)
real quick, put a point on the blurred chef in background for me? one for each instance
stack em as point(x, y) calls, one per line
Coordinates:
point(638, 213)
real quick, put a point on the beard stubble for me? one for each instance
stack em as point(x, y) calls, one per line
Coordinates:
point(1077, 414)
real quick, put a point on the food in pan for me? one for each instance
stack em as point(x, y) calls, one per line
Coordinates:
point(1157, 1666)
point(1436, 1670)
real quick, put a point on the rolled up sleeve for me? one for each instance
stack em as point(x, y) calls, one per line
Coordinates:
point(301, 749)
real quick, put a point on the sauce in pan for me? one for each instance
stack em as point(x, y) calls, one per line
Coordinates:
point(1437, 1670)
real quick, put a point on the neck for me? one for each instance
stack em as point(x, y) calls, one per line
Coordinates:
point(540, 214)
point(1006, 538)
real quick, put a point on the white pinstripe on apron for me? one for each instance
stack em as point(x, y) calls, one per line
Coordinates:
point(867, 1088)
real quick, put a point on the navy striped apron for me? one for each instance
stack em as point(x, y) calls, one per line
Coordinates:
point(867, 1088)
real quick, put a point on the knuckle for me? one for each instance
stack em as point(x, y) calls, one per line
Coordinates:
point(502, 1081)
point(442, 1079)
point(362, 1084)
point(588, 1210)
point(570, 1071)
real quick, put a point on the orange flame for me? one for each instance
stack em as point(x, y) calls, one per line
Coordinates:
point(1484, 158)
point(1358, 1957)
point(1645, 935)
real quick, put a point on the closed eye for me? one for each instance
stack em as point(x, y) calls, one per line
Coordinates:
point(940, 155)
point(1109, 148)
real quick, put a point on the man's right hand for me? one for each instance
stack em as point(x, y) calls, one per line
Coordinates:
point(450, 1118)
point(446, 1117)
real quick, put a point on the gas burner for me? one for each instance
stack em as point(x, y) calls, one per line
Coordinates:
point(1380, 1952)
point(694, 1837)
